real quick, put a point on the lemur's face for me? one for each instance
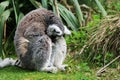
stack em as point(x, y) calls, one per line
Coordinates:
point(55, 26)
point(54, 30)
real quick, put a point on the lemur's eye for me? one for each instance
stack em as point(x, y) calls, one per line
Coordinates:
point(54, 30)
point(51, 17)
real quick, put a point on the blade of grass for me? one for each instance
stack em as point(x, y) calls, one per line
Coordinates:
point(53, 6)
point(3, 5)
point(20, 16)
point(69, 17)
point(4, 17)
point(35, 3)
point(15, 11)
point(78, 12)
point(9, 45)
point(104, 13)
point(45, 4)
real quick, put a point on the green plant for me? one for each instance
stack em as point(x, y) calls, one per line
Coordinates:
point(45, 3)
point(103, 40)
point(18, 14)
point(4, 14)
point(69, 18)
point(104, 13)
point(76, 40)
point(7, 22)
point(79, 13)
point(36, 3)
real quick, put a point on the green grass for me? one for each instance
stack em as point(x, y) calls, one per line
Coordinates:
point(77, 70)
point(15, 73)
point(73, 72)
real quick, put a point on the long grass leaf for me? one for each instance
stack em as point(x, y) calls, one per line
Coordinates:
point(3, 5)
point(15, 11)
point(35, 3)
point(20, 16)
point(69, 17)
point(45, 4)
point(9, 45)
point(69, 14)
point(53, 6)
point(4, 17)
point(104, 13)
point(78, 11)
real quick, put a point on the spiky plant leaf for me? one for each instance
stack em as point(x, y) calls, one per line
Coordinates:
point(45, 4)
point(3, 17)
point(15, 11)
point(104, 13)
point(69, 17)
point(3, 5)
point(53, 6)
point(36, 3)
point(20, 16)
point(78, 12)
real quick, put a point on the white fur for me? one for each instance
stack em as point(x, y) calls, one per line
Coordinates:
point(66, 30)
point(7, 62)
point(59, 53)
point(54, 30)
point(46, 67)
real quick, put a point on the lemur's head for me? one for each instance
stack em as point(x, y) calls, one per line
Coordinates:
point(54, 30)
point(55, 26)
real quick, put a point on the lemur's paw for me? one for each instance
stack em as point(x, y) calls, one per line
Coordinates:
point(54, 70)
point(12, 62)
point(5, 62)
point(63, 67)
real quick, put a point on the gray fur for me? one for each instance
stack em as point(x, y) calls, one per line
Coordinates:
point(32, 45)
point(33, 42)
point(59, 50)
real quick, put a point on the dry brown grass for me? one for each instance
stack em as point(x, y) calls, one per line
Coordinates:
point(105, 36)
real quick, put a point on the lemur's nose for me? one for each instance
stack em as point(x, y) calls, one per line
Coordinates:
point(58, 32)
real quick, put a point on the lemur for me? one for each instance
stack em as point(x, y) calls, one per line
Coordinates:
point(37, 39)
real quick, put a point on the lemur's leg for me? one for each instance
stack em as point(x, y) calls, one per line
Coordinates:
point(48, 68)
point(52, 55)
point(58, 61)
point(21, 46)
point(42, 54)
point(59, 51)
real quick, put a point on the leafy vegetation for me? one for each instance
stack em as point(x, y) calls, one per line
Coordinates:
point(95, 39)
point(4, 14)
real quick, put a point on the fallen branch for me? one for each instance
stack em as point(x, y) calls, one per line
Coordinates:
point(102, 69)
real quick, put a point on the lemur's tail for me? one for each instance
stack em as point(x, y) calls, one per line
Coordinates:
point(9, 62)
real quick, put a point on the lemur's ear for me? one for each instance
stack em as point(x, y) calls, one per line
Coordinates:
point(66, 30)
